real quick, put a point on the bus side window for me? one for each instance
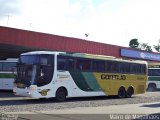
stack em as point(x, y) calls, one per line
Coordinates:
point(61, 63)
point(112, 66)
point(136, 68)
point(99, 66)
point(124, 67)
point(8, 66)
point(150, 73)
point(65, 63)
point(133, 68)
point(157, 72)
point(143, 69)
point(70, 63)
point(83, 64)
point(0, 66)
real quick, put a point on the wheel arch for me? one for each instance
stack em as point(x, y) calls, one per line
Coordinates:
point(121, 92)
point(62, 87)
point(122, 87)
point(132, 87)
point(151, 83)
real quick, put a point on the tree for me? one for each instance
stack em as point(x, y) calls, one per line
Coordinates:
point(146, 47)
point(134, 43)
point(157, 47)
point(149, 48)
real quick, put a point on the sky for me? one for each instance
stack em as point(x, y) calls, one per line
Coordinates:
point(107, 21)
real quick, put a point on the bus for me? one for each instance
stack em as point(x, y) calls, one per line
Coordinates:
point(7, 67)
point(153, 83)
point(47, 74)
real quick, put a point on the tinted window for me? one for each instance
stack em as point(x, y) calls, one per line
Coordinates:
point(65, 63)
point(154, 72)
point(112, 66)
point(0, 66)
point(29, 59)
point(143, 69)
point(62, 62)
point(99, 66)
point(83, 64)
point(8, 66)
point(124, 67)
point(135, 68)
point(70, 63)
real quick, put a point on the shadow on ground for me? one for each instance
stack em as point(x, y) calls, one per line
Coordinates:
point(152, 105)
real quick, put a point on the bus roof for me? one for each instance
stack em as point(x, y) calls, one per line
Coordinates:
point(102, 57)
point(84, 55)
point(10, 60)
point(41, 52)
point(154, 65)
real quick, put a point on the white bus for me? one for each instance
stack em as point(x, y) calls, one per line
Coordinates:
point(45, 74)
point(153, 83)
point(7, 67)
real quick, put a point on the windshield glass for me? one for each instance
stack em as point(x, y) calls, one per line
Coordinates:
point(35, 69)
point(29, 59)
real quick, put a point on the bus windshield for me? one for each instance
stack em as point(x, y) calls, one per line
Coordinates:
point(35, 70)
point(154, 72)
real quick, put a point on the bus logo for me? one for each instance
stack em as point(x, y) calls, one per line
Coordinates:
point(44, 92)
point(113, 77)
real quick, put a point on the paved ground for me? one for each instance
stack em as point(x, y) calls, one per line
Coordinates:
point(142, 108)
point(143, 111)
point(128, 112)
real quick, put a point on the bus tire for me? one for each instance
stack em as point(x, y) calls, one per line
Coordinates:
point(61, 94)
point(129, 92)
point(121, 92)
point(152, 87)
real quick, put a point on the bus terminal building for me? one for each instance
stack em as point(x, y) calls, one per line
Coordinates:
point(13, 42)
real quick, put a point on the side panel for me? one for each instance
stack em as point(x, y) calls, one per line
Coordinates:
point(7, 81)
point(110, 83)
point(90, 84)
point(80, 81)
point(86, 81)
point(78, 87)
point(154, 79)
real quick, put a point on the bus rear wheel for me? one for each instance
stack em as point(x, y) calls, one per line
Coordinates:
point(121, 92)
point(61, 94)
point(129, 92)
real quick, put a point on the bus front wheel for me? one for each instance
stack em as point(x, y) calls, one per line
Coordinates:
point(151, 87)
point(121, 92)
point(61, 94)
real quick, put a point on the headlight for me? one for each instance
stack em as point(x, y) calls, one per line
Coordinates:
point(14, 90)
point(32, 88)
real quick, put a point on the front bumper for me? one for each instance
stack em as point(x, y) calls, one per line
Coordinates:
point(29, 92)
point(22, 92)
